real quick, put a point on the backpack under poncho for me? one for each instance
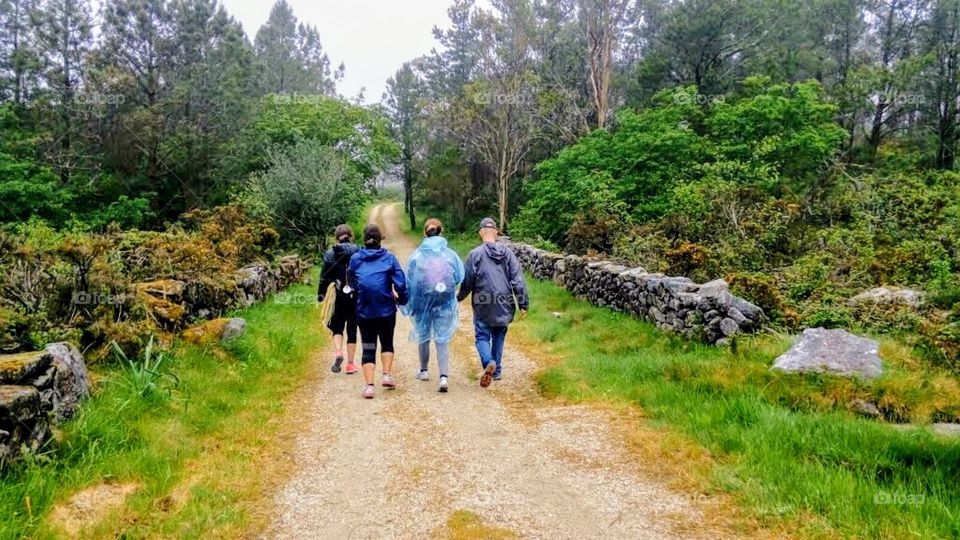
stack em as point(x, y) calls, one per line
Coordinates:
point(433, 273)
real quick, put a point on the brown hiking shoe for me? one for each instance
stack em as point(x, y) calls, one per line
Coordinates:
point(487, 375)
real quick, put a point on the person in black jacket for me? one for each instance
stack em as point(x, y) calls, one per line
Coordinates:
point(495, 281)
point(335, 263)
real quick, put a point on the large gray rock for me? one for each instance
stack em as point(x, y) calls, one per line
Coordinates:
point(58, 373)
point(836, 352)
point(23, 421)
point(71, 384)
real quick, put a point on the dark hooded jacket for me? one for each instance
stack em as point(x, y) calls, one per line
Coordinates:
point(375, 274)
point(494, 277)
point(335, 262)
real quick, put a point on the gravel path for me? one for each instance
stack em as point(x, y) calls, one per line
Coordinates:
point(397, 466)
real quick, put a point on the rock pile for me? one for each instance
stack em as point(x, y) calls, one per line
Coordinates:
point(708, 311)
point(171, 301)
point(38, 388)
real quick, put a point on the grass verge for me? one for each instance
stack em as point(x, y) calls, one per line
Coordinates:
point(781, 445)
point(195, 438)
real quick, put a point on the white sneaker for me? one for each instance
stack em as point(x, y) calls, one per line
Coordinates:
point(443, 385)
point(423, 375)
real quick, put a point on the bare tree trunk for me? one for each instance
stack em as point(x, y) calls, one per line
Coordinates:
point(408, 193)
point(502, 189)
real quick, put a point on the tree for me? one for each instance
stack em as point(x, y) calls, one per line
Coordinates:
point(942, 78)
point(18, 60)
point(139, 46)
point(291, 57)
point(602, 20)
point(403, 104)
point(501, 107)
point(308, 189)
point(64, 33)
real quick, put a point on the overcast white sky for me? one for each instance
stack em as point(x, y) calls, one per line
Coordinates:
point(372, 37)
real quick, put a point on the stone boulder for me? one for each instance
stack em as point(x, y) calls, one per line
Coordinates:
point(23, 421)
point(888, 296)
point(215, 330)
point(836, 352)
point(71, 383)
point(234, 328)
point(946, 429)
point(58, 373)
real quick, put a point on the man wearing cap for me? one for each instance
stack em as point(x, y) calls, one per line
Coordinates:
point(495, 280)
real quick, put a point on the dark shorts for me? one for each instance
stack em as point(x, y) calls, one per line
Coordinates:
point(373, 331)
point(344, 317)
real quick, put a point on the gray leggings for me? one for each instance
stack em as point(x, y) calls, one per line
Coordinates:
point(443, 357)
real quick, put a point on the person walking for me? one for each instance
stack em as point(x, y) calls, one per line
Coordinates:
point(377, 277)
point(344, 317)
point(433, 273)
point(494, 280)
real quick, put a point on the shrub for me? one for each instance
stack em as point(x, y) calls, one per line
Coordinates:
point(309, 189)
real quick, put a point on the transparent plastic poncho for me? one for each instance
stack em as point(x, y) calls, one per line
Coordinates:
point(433, 274)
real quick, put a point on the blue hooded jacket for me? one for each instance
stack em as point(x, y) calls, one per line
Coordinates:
point(433, 302)
point(375, 274)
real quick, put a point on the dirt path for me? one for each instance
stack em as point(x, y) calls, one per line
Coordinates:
point(399, 465)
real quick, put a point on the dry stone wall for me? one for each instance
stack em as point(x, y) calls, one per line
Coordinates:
point(707, 312)
point(40, 389)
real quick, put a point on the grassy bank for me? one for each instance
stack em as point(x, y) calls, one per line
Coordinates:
point(193, 437)
point(783, 446)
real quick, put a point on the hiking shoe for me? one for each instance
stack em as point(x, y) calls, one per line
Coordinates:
point(423, 375)
point(487, 375)
point(497, 375)
point(387, 381)
point(351, 368)
point(337, 362)
point(368, 391)
point(442, 388)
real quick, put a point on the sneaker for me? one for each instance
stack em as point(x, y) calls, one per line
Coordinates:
point(351, 368)
point(443, 385)
point(368, 391)
point(487, 375)
point(337, 362)
point(387, 381)
point(497, 375)
point(423, 375)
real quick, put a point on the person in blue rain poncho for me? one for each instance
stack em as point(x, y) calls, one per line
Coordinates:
point(433, 274)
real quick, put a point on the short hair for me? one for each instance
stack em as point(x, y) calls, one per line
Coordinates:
point(432, 227)
point(343, 233)
point(372, 236)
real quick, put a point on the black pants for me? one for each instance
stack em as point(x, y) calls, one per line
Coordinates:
point(373, 330)
point(344, 316)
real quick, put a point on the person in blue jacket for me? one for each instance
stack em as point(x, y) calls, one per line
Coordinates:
point(433, 272)
point(375, 274)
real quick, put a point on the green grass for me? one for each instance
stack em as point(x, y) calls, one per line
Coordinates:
point(199, 423)
point(783, 446)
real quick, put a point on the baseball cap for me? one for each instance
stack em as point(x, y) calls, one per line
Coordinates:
point(488, 223)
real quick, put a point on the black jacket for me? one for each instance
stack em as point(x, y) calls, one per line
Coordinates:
point(335, 263)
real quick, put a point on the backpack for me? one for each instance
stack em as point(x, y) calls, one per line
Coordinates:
point(436, 274)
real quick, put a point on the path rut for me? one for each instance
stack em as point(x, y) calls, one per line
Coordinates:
point(399, 465)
